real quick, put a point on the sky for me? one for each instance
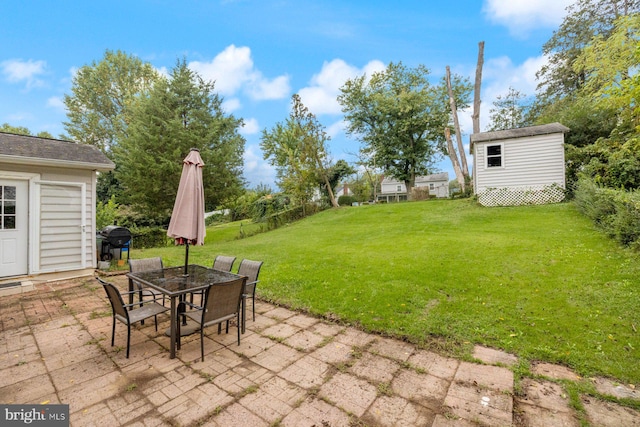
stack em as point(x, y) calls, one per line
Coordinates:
point(261, 52)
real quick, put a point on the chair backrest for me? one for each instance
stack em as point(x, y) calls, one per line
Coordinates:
point(223, 300)
point(144, 264)
point(115, 298)
point(251, 269)
point(223, 263)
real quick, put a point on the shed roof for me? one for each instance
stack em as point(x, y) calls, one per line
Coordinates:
point(518, 133)
point(34, 150)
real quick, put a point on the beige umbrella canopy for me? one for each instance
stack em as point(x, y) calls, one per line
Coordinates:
point(187, 219)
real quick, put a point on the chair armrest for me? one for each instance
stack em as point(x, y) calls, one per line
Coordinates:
point(192, 305)
point(141, 303)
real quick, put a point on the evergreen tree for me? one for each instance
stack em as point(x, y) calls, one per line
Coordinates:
point(180, 113)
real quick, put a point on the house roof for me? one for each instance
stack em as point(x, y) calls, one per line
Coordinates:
point(443, 176)
point(33, 150)
point(518, 133)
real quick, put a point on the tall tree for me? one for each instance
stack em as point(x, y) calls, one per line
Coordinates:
point(102, 94)
point(584, 20)
point(298, 150)
point(179, 113)
point(21, 130)
point(509, 111)
point(399, 117)
point(338, 171)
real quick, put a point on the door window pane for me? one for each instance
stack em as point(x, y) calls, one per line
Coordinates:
point(7, 207)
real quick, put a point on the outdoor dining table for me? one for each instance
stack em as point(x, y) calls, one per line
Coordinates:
point(175, 284)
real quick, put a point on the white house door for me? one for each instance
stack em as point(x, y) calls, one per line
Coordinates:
point(14, 220)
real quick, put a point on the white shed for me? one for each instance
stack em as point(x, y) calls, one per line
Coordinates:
point(519, 166)
point(47, 208)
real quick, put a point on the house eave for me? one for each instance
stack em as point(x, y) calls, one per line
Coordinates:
point(34, 161)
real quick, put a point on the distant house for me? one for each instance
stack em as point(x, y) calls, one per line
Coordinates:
point(342, 190)
point(392, 190)
point(519, 166)
point(47, 207)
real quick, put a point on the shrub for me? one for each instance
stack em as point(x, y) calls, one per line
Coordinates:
point(616, 212)
point(149, 237)
point(106, 213)
point(346, 200)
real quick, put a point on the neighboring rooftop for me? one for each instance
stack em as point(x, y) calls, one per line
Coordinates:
point(27, 149)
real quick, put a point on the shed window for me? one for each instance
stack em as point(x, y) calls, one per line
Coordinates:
point(399, 188)
point(494, 156)
point(432, 186)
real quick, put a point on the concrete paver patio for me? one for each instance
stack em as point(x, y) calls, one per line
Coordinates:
point(291, 369)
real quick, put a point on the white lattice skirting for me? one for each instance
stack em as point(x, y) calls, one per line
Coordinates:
point(516, 196)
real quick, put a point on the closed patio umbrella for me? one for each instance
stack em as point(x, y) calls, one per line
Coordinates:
point(187, 219)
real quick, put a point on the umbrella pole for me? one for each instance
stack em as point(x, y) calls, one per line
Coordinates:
point(186, 258)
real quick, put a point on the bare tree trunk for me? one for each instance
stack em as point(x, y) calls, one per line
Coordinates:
point(454, 160)
point(454, 110)
point(476, 90)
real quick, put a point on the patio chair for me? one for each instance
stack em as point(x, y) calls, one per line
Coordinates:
point(221, 263)
point(127, 314)
point(145, 264)
point(221, 303)
point(250, 269)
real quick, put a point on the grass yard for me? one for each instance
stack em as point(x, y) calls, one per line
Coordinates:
point(538, 281)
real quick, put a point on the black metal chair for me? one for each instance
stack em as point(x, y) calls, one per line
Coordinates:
point(250, 269)
point(221, 303)
point(128, 315)
point(145, 264)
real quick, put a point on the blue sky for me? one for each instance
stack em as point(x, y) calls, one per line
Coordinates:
point(260, 52)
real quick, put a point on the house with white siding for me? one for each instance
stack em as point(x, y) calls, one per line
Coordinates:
point(47, 209)
point(519, 166)
point(392, 190)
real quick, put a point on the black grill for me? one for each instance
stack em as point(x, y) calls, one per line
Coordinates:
point(113, 237)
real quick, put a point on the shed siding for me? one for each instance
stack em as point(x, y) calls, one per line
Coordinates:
point(59, 218)
point(61, 237)
point(532, 161)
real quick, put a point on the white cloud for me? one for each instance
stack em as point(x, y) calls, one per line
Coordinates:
point(321, 96)
point(501, 73)
point(522, 16)
point(17, 70)
point(56, 102)
point(233, 70)
point(336, 128)
point(256, 170)
point(231, 104)
point(250, 127)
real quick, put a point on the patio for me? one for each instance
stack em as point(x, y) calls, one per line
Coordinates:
point(291, 369)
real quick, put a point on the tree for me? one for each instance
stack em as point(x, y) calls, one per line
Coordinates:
point(21, 130)
point(337, 172)
point(399, 117)
point(179, 113)
point(585, 19)
point(298, 150)
point(102, 94)
point(610, 65)
point(509, 111)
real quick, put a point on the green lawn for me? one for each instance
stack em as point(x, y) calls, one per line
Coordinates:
point(538, 281)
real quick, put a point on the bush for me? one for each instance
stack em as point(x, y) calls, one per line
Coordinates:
point(149, 237)
point(346, 200)
point(616, 212)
